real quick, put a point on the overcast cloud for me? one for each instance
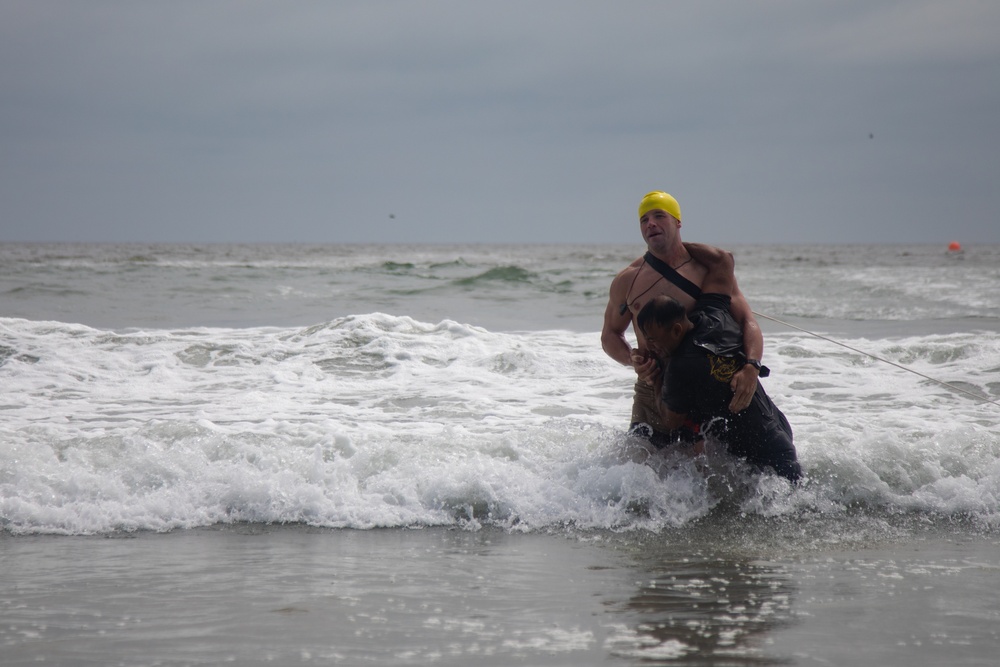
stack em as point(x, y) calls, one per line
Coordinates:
point(539, 121)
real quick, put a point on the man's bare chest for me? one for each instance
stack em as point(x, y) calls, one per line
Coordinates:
point(648, 284)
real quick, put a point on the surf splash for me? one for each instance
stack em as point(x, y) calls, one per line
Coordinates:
point(384, 421)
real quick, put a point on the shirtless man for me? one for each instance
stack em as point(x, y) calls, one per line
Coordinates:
point(641, 281)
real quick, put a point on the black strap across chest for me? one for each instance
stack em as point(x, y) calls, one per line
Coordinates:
point(672, 276)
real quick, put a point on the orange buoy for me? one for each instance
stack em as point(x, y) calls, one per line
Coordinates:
point(954, 246)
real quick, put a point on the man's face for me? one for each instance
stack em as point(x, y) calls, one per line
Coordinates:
point(662, 341)
point(658, 228)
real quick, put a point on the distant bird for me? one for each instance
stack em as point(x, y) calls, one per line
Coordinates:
point(392, 216)
point(871, 136)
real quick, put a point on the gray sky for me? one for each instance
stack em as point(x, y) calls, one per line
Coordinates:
point(538, 121)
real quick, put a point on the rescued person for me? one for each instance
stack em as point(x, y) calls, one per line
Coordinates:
point(699, 355)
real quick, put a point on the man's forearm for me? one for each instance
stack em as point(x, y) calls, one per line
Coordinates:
point(753, 339)
point(617, 348)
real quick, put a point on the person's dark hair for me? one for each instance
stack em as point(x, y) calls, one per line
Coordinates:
point(662, 310)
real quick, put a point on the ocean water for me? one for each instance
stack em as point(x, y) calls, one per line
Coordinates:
point(417, 455)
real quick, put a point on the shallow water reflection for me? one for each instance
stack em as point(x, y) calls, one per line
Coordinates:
point(704, 609)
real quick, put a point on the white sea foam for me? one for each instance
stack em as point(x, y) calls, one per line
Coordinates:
point(379, 420)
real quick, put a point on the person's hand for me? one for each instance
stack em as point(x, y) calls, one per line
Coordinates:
point(646, 367)
point(744, 384)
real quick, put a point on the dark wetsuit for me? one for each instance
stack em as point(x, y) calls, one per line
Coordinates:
point(696, 382)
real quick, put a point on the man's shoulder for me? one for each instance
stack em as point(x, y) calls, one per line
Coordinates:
point(626, 275)
point(631, 268)
point(635, 265)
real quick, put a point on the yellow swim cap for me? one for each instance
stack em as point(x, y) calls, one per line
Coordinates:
point(661, 200)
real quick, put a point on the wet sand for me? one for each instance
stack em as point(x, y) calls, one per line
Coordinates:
point(256, 595)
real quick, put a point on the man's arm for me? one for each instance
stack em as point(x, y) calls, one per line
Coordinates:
point(744, 382)
point(721, 278)
point(616, 323)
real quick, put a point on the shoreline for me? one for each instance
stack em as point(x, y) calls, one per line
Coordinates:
point(264, 594)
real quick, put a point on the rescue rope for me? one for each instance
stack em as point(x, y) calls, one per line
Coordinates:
point(978, 397)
